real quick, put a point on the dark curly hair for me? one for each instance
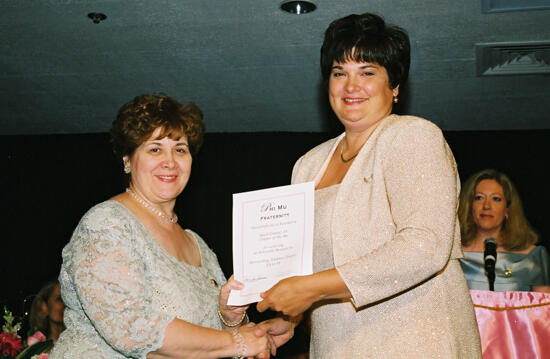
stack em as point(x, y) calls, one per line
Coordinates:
point(367, 38)
point(138, 119)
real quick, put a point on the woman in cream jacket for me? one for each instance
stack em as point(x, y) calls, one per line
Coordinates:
point(387, 281)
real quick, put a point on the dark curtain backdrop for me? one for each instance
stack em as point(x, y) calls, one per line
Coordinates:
point(49, 181)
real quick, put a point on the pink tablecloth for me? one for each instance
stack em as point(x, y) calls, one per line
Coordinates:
point(513, 324)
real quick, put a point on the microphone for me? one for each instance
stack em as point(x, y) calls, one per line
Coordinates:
point(490, 259)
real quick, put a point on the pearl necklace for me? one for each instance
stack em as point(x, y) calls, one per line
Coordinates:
point(150, 207)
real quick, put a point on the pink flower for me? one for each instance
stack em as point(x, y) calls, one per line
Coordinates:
point(35, 338)
point(43, 356)
point(10, 344)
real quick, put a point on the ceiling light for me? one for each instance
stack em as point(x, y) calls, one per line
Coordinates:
point(97, 17)
point(298, 7)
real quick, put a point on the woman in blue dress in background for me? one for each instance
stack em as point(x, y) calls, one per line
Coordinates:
point(490, 207)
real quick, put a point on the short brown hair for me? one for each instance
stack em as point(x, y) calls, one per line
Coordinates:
point(516, 232)
point(138, 119)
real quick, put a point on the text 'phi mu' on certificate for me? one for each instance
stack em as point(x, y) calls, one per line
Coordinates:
point(272, 238)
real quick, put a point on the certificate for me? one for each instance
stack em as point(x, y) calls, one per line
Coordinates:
point(272, 238)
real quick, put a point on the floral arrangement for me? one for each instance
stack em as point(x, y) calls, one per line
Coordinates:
point(13, 346)
point(10, 341)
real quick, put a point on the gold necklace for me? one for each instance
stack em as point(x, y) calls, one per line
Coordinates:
point(147, 205)
point(342, 155)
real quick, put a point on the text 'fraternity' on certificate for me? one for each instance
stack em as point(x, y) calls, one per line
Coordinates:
point(272, 238)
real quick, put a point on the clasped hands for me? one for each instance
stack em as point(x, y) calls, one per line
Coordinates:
point(262, 339)
point(271, 333)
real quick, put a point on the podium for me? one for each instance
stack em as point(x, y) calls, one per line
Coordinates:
point(513, 325)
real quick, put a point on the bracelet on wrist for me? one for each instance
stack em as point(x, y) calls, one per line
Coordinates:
point(231, 325)
point(241, 354)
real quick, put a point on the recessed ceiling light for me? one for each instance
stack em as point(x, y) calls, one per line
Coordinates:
point(298, 7)
point(97, 17)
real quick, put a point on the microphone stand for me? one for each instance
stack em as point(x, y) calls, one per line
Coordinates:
point(491, 278)
point(490, 258)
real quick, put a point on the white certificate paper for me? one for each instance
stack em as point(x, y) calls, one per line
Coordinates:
point(272, 238)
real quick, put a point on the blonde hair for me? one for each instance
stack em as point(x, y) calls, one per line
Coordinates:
point(516, 233)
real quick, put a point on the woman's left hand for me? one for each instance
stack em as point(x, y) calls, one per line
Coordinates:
point(231, 313)
point(291, 296)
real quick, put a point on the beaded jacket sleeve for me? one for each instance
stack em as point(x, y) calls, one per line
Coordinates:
point(394, 223)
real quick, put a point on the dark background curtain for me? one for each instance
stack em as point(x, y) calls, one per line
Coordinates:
point(49, 181)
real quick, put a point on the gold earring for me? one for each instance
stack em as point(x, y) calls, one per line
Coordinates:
point(395, 100)
point(127, 169)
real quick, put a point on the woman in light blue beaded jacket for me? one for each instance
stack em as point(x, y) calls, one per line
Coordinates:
point(135, 283)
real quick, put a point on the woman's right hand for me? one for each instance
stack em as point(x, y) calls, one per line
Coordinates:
point(251, 342)
point(290, 296)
